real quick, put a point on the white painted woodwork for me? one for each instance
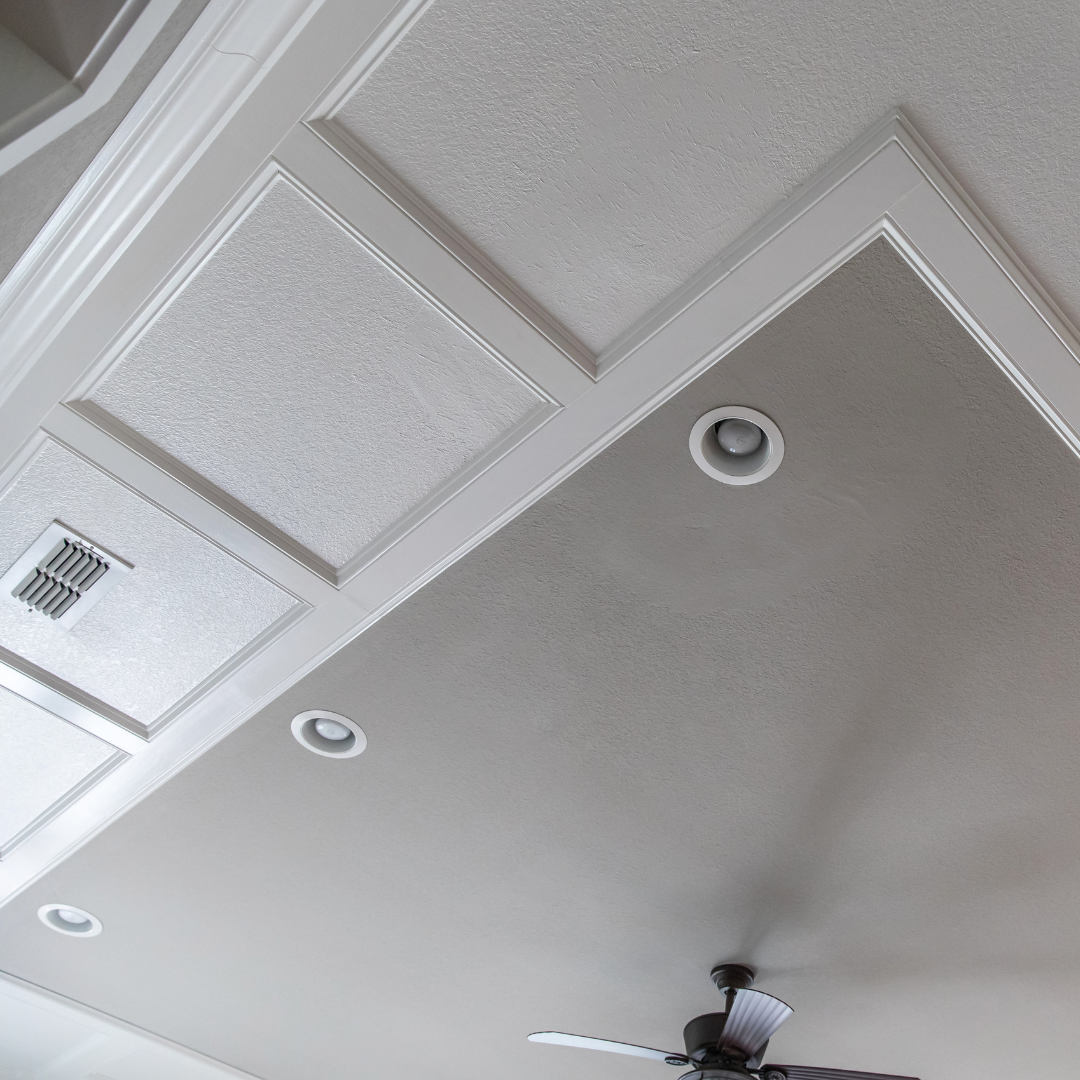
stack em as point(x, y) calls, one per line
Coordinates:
point(48, 1036)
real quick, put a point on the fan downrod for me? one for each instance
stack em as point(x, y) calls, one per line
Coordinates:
point(732, 977)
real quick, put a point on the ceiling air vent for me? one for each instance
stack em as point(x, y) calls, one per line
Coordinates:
point(62, 575)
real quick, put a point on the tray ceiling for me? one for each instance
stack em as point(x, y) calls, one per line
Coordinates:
point(294, 393)
point(594, 767)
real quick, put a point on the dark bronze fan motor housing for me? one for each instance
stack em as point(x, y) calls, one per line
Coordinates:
point(723, 1046)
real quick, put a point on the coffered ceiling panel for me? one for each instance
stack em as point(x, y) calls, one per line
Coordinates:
point(43, 759)
point(602, 153)
point(308, 381)
point(183, 611)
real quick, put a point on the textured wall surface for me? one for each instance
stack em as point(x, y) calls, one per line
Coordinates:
point(184, 609)
point(300, 375)
point(43, 758)
point(602, 152)
point(25, 79)
point(826, 725)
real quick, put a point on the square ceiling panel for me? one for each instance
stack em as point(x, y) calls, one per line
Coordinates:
point(304, 378)
point(44, 758)
point(184, 610)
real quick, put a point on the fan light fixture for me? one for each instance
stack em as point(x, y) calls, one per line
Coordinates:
point(736, 445)
point(723, 1046)
point(328, 734)
point(65, 919)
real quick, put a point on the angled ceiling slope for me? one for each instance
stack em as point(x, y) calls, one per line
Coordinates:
point(237, 143)
point(826, 724)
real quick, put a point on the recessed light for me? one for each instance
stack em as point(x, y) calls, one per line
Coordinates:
point(737, 445)
point(739, 437)
point(65, 919)
point(329, 734)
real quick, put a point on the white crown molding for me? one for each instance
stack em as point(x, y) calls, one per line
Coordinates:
point(887, 185)
point(108, 1040)
point(219, 63)
point(100, 89)
point(97, 438)
point(393, 190)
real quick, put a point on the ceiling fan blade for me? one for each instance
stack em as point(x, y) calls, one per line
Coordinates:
point(751, 1021)
point(807, 1072)
point(560, 1038)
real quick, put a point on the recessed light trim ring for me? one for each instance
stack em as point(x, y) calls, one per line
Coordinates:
point(737, 469)
point(70, 920)
point(306, 734)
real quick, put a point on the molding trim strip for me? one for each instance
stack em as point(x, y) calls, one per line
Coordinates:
point(220, 62)
point(71, 704)
point(108, 1040)
point(393, 190)
point(107, 81)
point(887, 185)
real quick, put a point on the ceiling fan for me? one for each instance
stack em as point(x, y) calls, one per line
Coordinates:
point(728, 1045)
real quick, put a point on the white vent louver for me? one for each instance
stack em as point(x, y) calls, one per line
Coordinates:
point(62, 575)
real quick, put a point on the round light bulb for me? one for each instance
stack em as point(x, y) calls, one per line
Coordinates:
point(331, 729)
point(75, 918)
point(737, 436)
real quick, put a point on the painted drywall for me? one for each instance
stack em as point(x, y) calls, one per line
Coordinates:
point(301, 376)
point(25, 80)
point(601, 153)
point(33, 189)
point(825, 725)
point(62, 32)
point(183, 611)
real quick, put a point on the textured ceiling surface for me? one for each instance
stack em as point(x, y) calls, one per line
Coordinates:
point(300, 375)
point(602, 153)
point(182, 612)
point(825, 724)
point(44, 757)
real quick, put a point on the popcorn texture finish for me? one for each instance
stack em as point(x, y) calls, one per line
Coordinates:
point(300, 375)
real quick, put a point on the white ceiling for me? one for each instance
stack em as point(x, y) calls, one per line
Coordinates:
point(582, 789)
point(355, 284)
point(45, 1037)
point(182, 592)
point(43, 759)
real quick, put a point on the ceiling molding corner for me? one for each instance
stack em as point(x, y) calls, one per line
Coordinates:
point(221, 60)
